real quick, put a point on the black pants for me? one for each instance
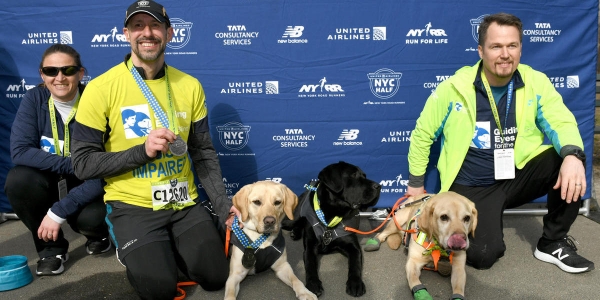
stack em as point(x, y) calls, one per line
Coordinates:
point(31, 192)
point(535, 180)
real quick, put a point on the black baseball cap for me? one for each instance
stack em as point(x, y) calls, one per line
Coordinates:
point(152, 8)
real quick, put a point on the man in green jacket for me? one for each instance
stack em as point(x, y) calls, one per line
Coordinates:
point(492, 119)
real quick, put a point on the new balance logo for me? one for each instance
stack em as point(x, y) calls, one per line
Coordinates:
point(293, 32)
point(558, 254)
point(348, 135)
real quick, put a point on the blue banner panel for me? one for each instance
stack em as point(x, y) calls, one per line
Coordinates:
point(293, 86)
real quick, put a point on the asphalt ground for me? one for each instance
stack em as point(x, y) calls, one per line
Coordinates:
point(517, 275)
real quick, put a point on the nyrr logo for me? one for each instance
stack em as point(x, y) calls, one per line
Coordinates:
point(114, 39)
point(15, 91)
point(292, 35)
point(323, 89)
point(475, 27)
point(182, 32)
point(394, 186)
point(384, 83)
point(429, 32)
point(233, 135)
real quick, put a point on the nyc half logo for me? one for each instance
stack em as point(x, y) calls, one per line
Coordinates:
point(384, 83)
point(233, 135)
point(182, 32)
point(475, 27)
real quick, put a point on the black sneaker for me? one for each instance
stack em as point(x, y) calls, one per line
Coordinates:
point(98, 246)
point(563, 254)
point(52, 265)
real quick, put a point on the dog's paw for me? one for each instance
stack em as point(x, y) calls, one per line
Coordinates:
point(315, 286)
point(372, 244)
point(355, 287)
point(306, 295)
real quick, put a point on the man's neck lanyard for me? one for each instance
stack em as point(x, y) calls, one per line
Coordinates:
point(164, 120)
point(493, 102)
point(54, 125)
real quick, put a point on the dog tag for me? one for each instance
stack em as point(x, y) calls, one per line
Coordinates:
point(327, 237)
point(248, 260)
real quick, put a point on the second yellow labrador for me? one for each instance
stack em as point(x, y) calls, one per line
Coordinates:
point(259, 245)
point(446, 219)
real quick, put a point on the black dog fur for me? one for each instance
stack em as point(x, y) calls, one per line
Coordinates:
point(343, 191)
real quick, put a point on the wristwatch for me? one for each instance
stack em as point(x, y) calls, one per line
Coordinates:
point(579, 154)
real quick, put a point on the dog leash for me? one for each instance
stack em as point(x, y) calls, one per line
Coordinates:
point(397, 206)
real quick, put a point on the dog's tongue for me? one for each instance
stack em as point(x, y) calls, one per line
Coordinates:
point(457, 242)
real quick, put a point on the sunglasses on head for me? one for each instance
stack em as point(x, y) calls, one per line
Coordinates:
point(66, 70)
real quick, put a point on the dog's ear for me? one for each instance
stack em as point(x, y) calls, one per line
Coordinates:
point(332, 178)
point(240, 201)
point(426, 220)
point(474, 218)
point(290, 203)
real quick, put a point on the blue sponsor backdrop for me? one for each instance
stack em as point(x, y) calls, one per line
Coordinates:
point(293, 86)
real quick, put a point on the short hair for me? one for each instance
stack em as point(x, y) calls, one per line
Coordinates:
point(502, 19)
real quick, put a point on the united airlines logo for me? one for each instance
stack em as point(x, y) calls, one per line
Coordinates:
point(252, 87)
point(39, 38)
point(359, 33)
point(233, 135)
point(292, 35)
point(570, 82)
point(182, 33)
point(384, 83)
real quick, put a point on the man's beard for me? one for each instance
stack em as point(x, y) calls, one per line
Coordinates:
point(149, 56)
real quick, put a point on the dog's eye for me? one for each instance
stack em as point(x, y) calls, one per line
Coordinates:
point(444, 218)
point(277, 202)
point(467, 219)
point(256, 202)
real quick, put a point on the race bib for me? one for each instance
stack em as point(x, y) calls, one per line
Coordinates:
point(171, 194)
point(504, 164)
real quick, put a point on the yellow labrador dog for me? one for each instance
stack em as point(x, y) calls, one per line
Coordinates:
point(259, 245)
point(445, 219)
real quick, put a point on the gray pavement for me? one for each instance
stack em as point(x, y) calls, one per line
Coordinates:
point(518, 275)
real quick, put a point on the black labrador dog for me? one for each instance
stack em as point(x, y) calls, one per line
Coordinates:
point(330, 204)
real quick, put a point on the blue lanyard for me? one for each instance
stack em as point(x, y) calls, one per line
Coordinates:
point(164, 120)
point(493, 102)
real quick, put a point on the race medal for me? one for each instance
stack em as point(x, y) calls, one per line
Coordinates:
point(248, 260)
point(327, 237)
point(178, 147)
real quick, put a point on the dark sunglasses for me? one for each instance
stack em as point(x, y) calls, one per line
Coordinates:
point(66, 70)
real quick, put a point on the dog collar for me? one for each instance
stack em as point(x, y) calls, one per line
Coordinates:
point(243, 238)
point(336, 220)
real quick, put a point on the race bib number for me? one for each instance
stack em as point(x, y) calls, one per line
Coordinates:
point(171, 194)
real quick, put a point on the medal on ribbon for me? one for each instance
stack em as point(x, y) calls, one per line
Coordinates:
point(178, 147)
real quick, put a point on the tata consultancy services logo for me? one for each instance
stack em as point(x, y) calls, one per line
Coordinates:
point(233, 135)
point(384, 83)
point(182, 32)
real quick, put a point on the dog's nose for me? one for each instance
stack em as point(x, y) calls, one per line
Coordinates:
point(269, 221)
point(376, 186)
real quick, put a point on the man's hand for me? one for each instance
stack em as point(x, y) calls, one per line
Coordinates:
point(234, 211)
point(48, 230)
point(571, 179)
point(158, 141)
point(412, 191)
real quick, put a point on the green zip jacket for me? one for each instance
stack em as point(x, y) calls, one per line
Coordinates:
point(449, 114)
